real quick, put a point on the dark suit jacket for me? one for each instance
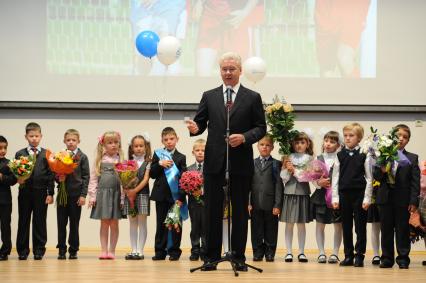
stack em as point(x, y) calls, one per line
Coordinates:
point(76, 183)
point(41, 178)
point(7, 180)
point(247, 117)
point(407, 183)
point(161, 190)
point(267, 187)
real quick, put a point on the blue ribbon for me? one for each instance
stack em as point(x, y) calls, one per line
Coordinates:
point(172, 176)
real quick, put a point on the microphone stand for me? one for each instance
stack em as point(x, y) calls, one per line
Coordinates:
point(228, 256)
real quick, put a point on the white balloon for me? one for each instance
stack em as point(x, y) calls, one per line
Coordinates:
point(168, 50)
point(254, 69)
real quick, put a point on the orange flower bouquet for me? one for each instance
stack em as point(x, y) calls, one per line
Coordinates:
point(61, 163)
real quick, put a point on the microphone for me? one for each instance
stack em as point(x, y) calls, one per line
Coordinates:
point(228, 95)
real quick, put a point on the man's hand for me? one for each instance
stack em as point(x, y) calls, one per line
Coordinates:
point(236, 139)
point(192, 126)
point(49, 200)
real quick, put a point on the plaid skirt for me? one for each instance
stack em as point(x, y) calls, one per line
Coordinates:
point(141, 204)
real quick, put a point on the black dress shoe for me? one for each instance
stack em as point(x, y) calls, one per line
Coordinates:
point(348, 261)
point(158, 257)
point(257, 258)
point(73, 256)
point(23, 257)
point(173, 258)
point(269, 258)
point(403, 265)
point(424, 262)
point(38, 257)
point(194, 257)
point(210, 267)
point(3, 257)
point(61, 256)
point(359, 262)
point(385, 264)
point(241, 266)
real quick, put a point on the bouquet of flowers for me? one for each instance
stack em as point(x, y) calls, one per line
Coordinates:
point(61, 163)
point(280, 118)
point(384, 149)
point(192, 183)
point(127, 172)
point(22, 167)
point(173, 218)
point(313, 171)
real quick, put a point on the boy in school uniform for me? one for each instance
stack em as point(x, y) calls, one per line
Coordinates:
point(351, 192)
point(196, 208)
point(396, 202)
point(265, 204)
point(168, 161)
point(7, 179)
point(76, 187)
point(35, 194)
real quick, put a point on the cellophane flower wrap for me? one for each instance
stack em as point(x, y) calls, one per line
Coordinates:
point(172, 221)
point(280, 119)
point(127, 172)
point(61, 163)
point(22, 167)
point(191, 182)
point(313, 171)
point(384, 150)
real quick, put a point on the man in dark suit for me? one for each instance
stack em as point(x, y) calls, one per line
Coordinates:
point(247, 126)
point(396, 202)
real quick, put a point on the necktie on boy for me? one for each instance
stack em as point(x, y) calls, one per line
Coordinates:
point(34, 150)
point(199, 167)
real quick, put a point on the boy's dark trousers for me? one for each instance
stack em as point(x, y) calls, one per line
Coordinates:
point(31, 201)
point(264, 233)
point(71, 211)
point(198, 234)
point(161, 233)
point(5, 219)
point(352, 211)
point(394, 222)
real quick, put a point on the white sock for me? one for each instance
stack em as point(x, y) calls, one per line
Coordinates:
point(133, 221)
point(319, 232)
point(338, 235)
point(301, 237)
point(289, 236)
point(143, 231)
point(375, 238)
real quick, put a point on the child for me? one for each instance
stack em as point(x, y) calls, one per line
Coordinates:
point(105, 196)
point(7, 179)
point(167, 166)
point(396, 201)
point(295, 207)
point(265, 202)
point(76, 186)
point(320, 212)
point(196, 208)
point(35, 194)
point(139, 150)
point(374, 218)
point(352, 188)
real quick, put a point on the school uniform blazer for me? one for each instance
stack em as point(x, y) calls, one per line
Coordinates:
point(7, 180)
point(407, 183)
point(161, 189)
point(267, 188)
point(41, 177)
point(246, 117)
point(77, 182)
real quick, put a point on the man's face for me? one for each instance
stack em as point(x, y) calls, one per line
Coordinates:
point(230, 72)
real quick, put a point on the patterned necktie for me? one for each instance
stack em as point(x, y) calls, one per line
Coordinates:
point(35, 150)
point(199, 167)
point(262, 162)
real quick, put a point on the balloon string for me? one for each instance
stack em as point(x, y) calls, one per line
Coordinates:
point(163, 94)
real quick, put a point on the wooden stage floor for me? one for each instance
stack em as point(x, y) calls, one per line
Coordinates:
point(89, 269)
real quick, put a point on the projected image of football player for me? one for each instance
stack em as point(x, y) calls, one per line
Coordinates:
point(339, 26)
point(164, 17)
point(225, 25)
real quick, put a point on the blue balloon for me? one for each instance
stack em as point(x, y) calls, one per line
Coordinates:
point(146, 43)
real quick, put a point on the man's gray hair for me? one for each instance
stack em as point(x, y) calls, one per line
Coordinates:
point(230, 56)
